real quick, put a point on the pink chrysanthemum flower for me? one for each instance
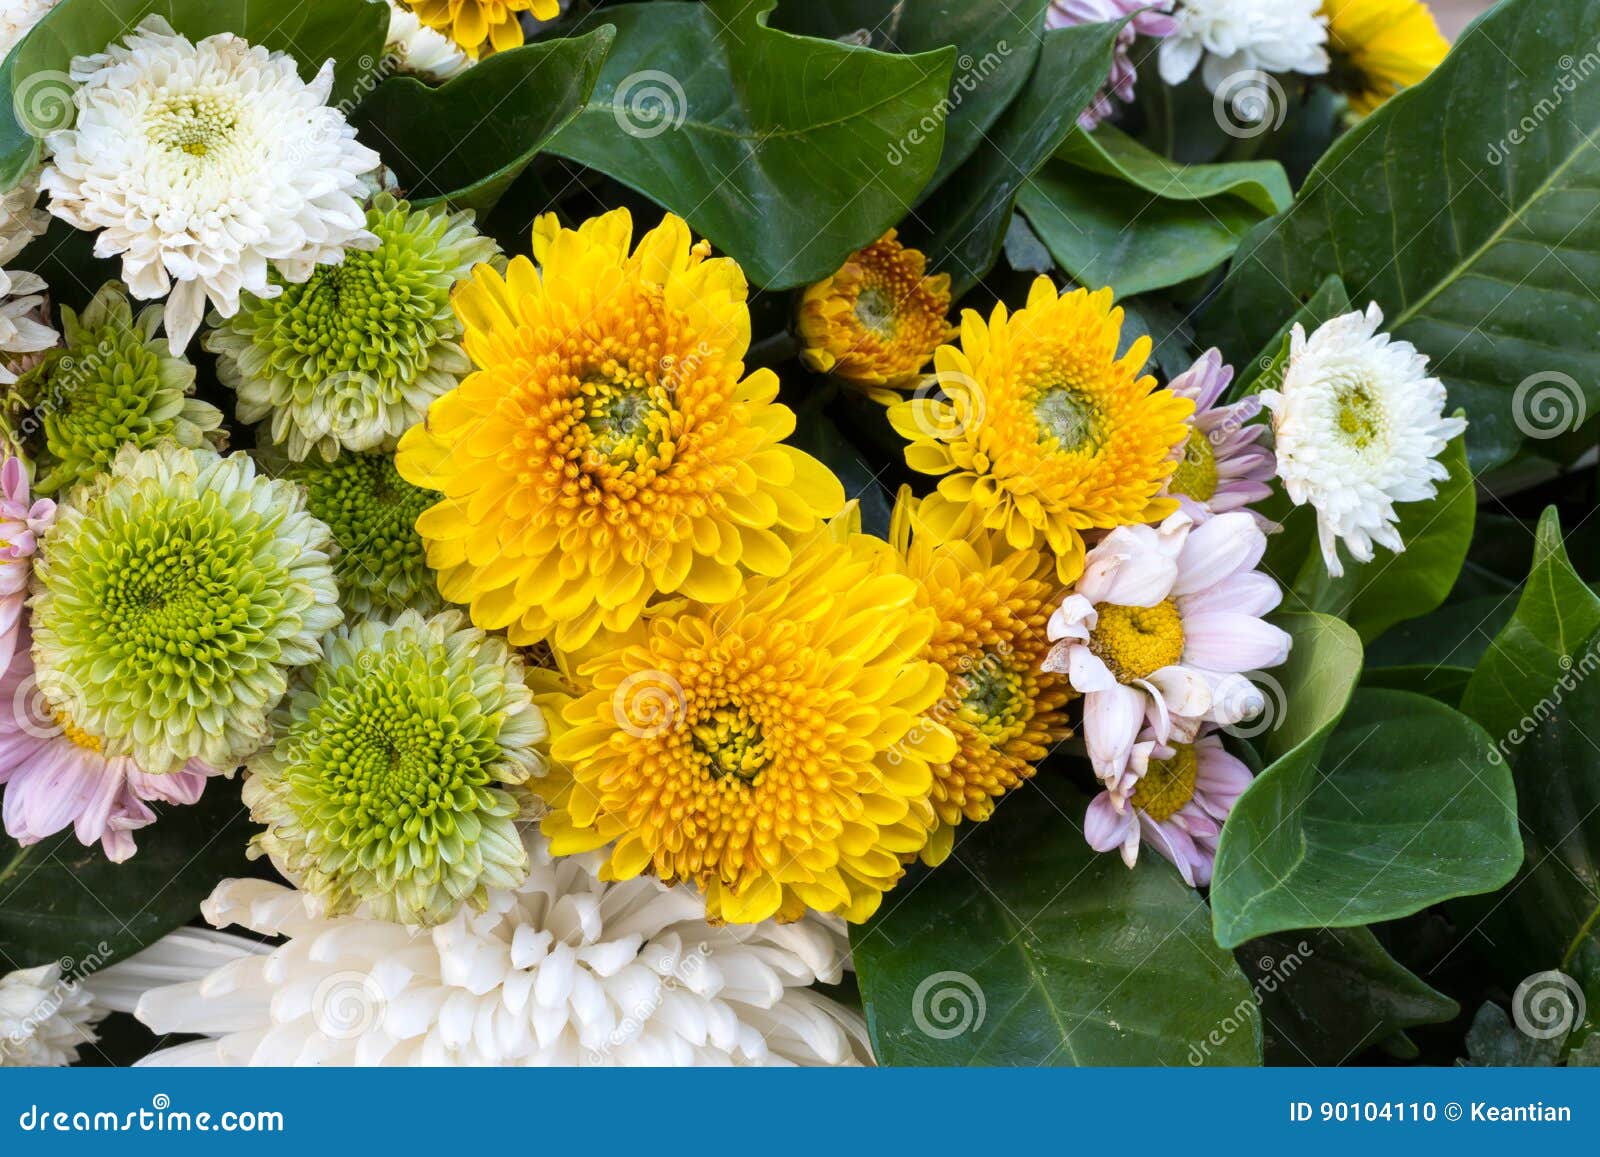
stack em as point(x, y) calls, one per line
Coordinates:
point(1149, 19)
point(22, 520)
point(54, 773)
point(1160, 629)
point(1223, 465)
point(1177, 797)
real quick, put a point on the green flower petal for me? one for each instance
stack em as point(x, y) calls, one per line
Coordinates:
point(394, 782)
point(351, 358)
point(173, 595)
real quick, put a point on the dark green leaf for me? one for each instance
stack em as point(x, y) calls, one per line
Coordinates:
point(468, 140)
point(817, 435)
point(998, 44)
point(60, 899)
point(348, 32)
point(1114, 213)
point(1494, 1042)
point(788, 152)
point(1401, 808)
point(1328, 993)
point(966, 219)
point(1028, 948)
point(1554, 617)
point(1468, 207)
point(1435, 654)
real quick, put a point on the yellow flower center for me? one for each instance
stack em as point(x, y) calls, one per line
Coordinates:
point(1135, 642)
point(729, 742)
point(73, 732)
point(1168, 784)
point(1360, 417)
point(1196, 475)
point(1069, 417)
point(622, 417)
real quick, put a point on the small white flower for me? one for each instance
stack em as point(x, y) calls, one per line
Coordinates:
point(565, 969)
point(420, 50)
point(1160, 628)
point(1359, 426)
point(22, 330)
point(203, 165)
point(17, 18)
point(44, 1017)
point(1237, 36)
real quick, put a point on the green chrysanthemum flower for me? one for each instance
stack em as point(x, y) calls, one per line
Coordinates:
point(389, 782)
point(112, 383)
point(381, 565)
point(177, 591)
point(352, 357)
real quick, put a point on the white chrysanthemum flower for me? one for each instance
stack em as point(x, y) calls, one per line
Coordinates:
point(22, 330)
point(44, 1017)
point(205, 164)
point(1237, 36)
point(564, 970)
point(1359, 426)
point(421, 50)
point(17, 18)
point(21, 219)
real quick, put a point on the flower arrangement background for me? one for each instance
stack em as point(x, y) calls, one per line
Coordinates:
point(551, 533)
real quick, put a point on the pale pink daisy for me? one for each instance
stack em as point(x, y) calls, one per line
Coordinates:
point(1160, 628)
point(1178, 797)
point(1149, 19)
point(1223, 466)
point(22, 520)
point(55, 775)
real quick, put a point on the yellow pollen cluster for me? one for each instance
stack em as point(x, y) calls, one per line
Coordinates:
point(73, 732)
point(1168, 784)
point(1196, 475)
point(1136, 642)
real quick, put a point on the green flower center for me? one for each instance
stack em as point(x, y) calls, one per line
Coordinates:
point(1168, 784)
point(1196, 475)
point(875, 310)
point(1069, 417)
point(193, 124)
point(1360, 417)
point(624, 416)
point(993, 699)
point(372, 511)
point(1135, 642)
point(729, 742)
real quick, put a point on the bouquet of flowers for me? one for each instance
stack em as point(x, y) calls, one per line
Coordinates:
point(761, 533)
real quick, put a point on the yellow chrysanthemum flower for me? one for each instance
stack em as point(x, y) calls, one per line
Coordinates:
point(992, 604)
point(1380, 47)
point(606, 450)
point(774, 750)
point(1043, 427)
point(877, 321)
point(470, 23)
